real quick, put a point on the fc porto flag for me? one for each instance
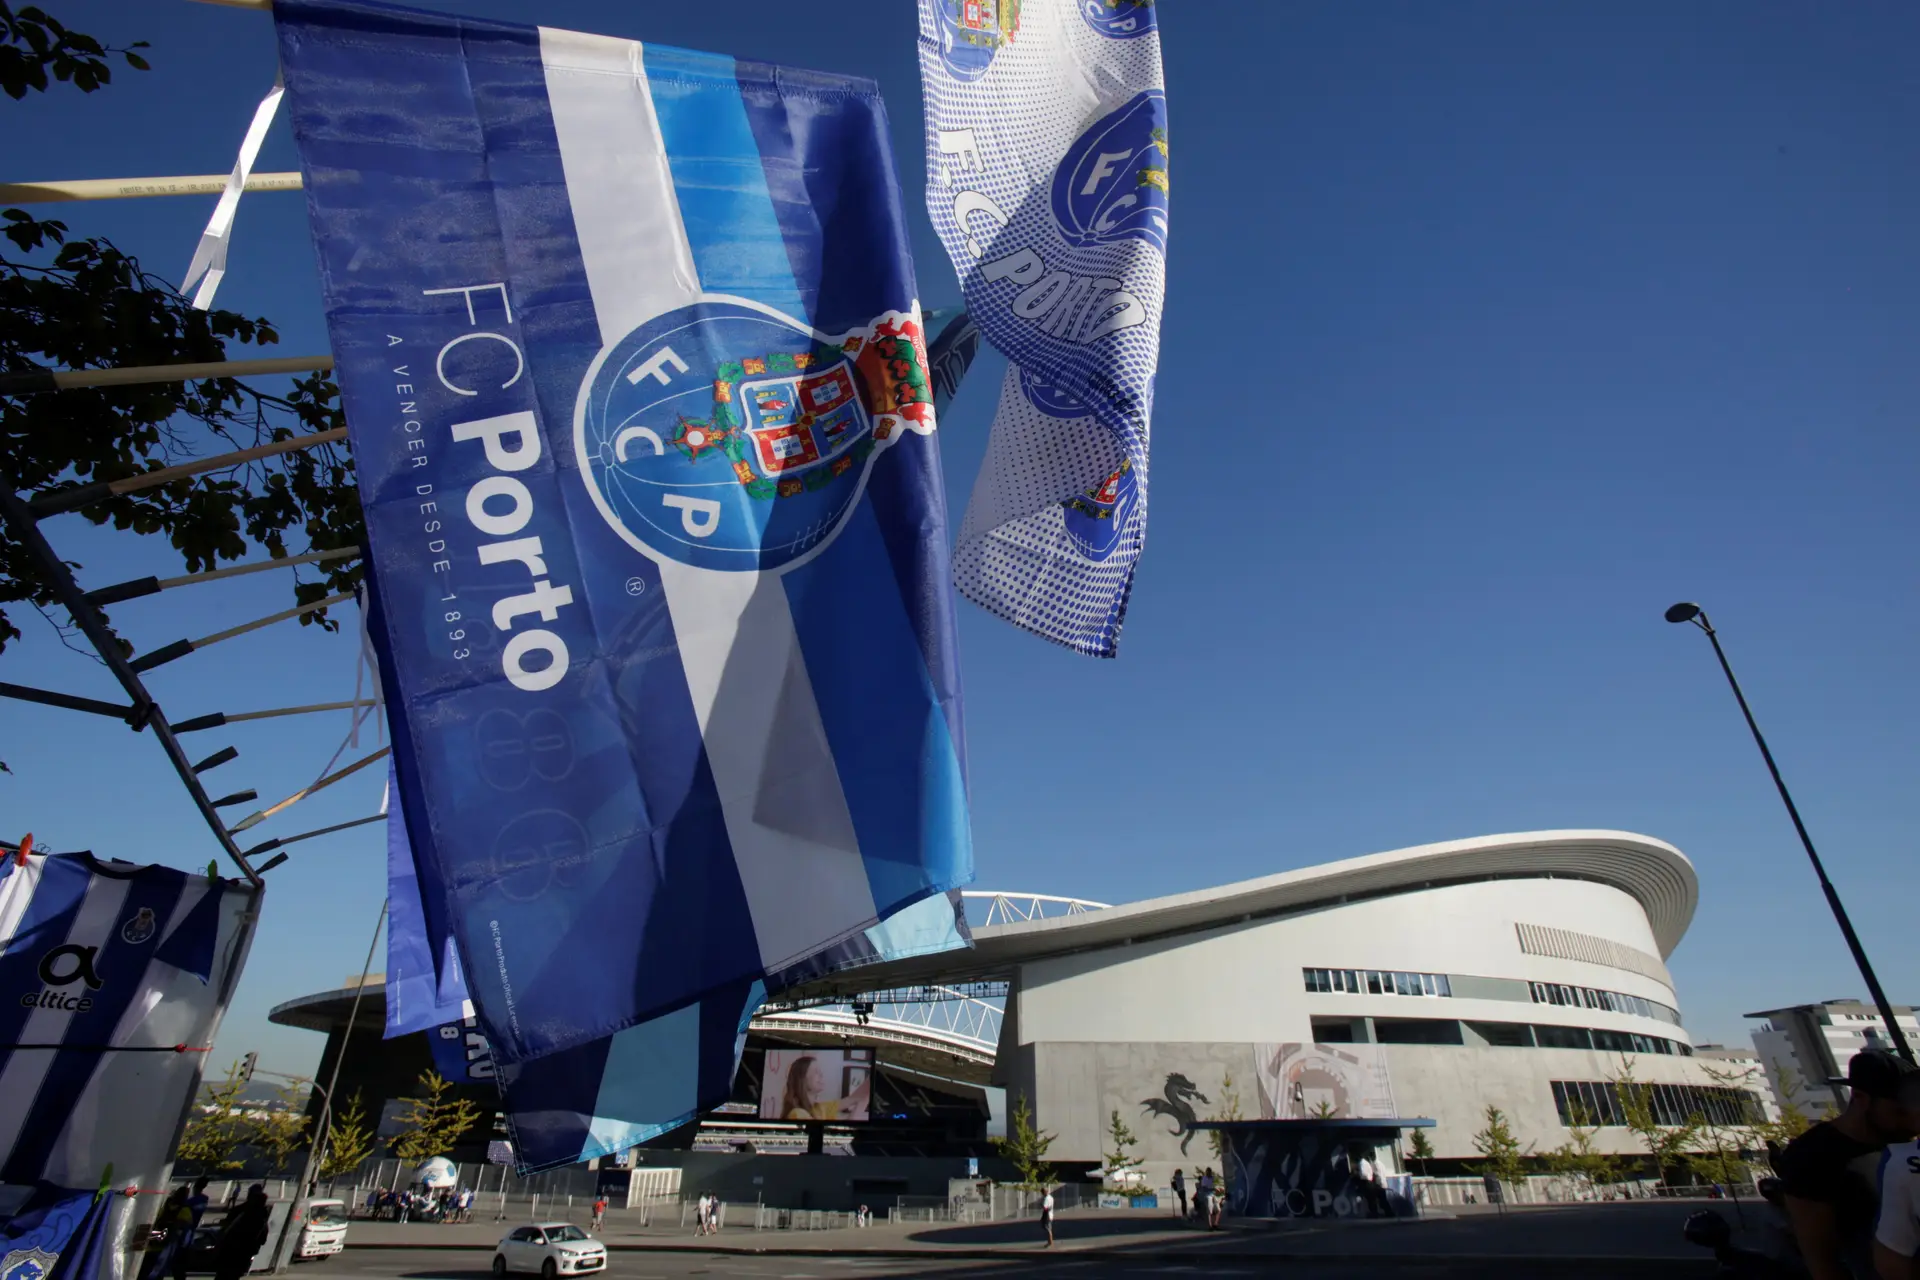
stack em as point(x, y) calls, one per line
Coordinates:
point(114, 977)
point(614, 1094)
point(1046, 134)
point(630, 351)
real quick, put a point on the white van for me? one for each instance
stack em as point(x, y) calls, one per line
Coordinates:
point(325, 1231)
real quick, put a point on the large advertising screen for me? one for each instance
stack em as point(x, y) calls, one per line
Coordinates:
point(816, 1084)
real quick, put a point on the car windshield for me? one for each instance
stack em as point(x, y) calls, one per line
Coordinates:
point(562, 1235)
point(324, 1214)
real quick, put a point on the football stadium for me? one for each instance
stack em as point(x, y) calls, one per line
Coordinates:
point(1524, 971)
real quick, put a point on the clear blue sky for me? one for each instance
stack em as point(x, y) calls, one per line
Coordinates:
point(1493, 329)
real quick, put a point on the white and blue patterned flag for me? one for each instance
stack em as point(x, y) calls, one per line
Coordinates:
point(1046, 135)
point(115, 976)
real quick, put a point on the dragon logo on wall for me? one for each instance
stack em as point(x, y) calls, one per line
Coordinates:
point(1175, 1104)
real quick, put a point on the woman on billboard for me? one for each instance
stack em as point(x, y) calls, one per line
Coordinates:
point(807, 1095)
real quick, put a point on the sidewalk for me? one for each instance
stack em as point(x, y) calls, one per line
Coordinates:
point(1567, 1238)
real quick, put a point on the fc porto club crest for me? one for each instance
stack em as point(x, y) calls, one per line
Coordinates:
point(139, 927)
point(27, 1264)
point(726, 435)
point(1112, 183)
point(1097, 519)
point(1118, 19)
point(972, 31)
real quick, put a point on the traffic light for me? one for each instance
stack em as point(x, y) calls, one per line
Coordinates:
point(247, 1065)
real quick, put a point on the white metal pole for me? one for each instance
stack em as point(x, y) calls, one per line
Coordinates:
point(198, 184)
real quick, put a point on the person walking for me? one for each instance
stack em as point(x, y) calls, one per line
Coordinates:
point(1046, 1215)
point(196, 1207)
point(1180, 1191)
point(599, 1212)
point(241, 1236)
point(170, 1221)
point(1371, 1192)
point(1203, 1198)
point(1217, 1209)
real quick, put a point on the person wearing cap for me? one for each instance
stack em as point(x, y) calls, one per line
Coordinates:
point(1830, 1175)
point(1896, 1238)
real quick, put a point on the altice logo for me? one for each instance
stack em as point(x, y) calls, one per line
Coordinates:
point(62, 967)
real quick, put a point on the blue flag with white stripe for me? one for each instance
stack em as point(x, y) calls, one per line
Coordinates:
point(630, 1088)
point(115, 978)
point(1047, 179)
point(630, 352)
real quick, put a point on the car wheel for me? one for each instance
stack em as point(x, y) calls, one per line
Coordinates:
point(548, 1271)
point(499, 1265)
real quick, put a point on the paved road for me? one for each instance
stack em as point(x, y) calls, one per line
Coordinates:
point(1648, 1230)
point(405, 1264)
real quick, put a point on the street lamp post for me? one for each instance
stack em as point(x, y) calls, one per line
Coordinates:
point(1688, 612)
point(296, 1216)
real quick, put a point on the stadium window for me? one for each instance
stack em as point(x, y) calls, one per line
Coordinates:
point(1671, 1104)
point(1597, 1101)
point(1594, 998)
point(1548, 1036)
point(1416, 1031)
point(1504, 1035)
point(1375, 982)
point(1332, 1030)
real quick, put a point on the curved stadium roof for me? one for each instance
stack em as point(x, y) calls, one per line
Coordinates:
point(1653, 872)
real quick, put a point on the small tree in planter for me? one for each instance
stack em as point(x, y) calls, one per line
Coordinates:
point(1222, 1147)
point(1025, 1147)
point(1505, 1159)
point(1122, 1165)
point(1419, 1150)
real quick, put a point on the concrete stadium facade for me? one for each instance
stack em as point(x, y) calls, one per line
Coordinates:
point(1525, 972)
point(1519, 971)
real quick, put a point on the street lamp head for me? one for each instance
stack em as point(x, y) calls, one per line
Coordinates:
point(1683, 612)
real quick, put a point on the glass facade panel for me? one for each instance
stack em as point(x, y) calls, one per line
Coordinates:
point(1598, 1102)
point(1375, 982)
point(1548, 1036)
point(1593, 998)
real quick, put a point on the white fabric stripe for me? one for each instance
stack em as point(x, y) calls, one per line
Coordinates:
point(771, 761)
point(805, 881)
point(625, 214)
point(25, 1071)
point(16, 891)
point(210, 255)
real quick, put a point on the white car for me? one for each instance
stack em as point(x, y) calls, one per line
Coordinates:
point(551, 1248)
point(325, 1232)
